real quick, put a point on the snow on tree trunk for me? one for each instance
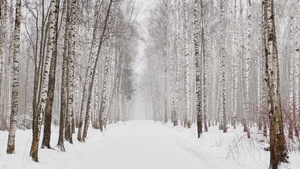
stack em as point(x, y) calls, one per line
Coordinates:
point(15, 82)
point(44, 85)
point(278, 151)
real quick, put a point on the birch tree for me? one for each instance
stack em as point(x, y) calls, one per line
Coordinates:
point(70, 71)
point(247, 67)
point(223, 67)
point(291, 73)
point(43, 96)
point(296, 54)
point(198, 59)
point(94, 66)
point(177, 53)
point(15, 82)
point(51, 86)
point(235, 66)
point(204, 65)
point(88, 74)
point(187, 115)
point(278, 152)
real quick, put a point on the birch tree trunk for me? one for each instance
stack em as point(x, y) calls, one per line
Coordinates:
point(70, 71)
point(44, 85)
point(204, 64)
point(51, 86)
point(235, 66)
point(3, 15)
point(291, 73)
point(278, 151)
point(107, 16)
point(15, 82)
point(187, 68)
point(247, 66)
point(177, 50)
point(171, 56)
point(64, 80)
point(297, 71)
point(105, 92)
point(198, 64)
point(88, 74)
point(223, 71)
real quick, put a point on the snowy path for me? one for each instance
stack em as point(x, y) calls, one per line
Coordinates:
point(134, 145)
point(138, 145)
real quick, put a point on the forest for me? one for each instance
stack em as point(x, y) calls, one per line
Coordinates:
point(68, 69)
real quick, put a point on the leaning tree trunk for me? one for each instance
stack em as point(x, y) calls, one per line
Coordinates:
point(44, 85)
point(278, 151)
point(90, 85)
point(49, 105)
point(15, 82)
point(88, 74)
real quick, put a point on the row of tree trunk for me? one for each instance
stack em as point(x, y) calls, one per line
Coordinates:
point(57, 34)
point(222, 61)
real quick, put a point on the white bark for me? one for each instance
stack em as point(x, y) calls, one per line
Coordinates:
point(70, 70)
point(187, 67)
point(291, 71)
point(44, 84)
point(235, 66)
point(89, 72)
point(296, 54)
point(223, 66)
point(15, 82)
point(247, 67)
point(198, 66)
point(177, 55)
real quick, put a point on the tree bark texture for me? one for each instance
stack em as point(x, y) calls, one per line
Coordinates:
point(51, 86)
point(278, 151)
point(43, 97)
point(15, 82)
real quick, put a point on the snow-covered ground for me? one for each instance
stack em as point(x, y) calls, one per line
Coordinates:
point(146, 145)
